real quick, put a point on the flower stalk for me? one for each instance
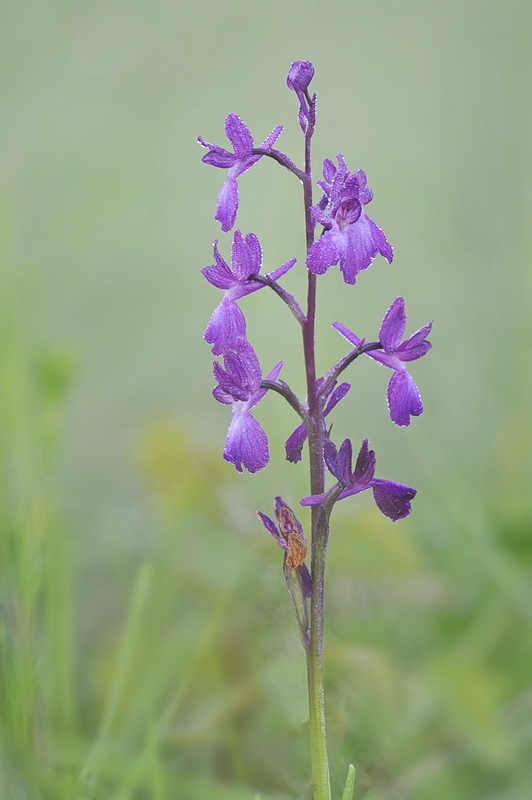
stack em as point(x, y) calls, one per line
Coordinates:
point(351, 240)
point(314, 653)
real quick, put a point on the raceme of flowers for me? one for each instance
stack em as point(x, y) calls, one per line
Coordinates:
point(340, 234)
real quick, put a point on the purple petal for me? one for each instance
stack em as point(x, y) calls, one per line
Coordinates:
point(243, 166)
point(349, 491)
point(365, 240)
point(227, 204)
point(227, 323)
point(230, 382)
point(416, 345)
point(272, 528)
point(351, 337)
point(294, 444)
point(350, 257)
point(240, 375)
point(365, 196)
point(272, 138)
point(217, 156)
point(329, 171)
point(393, 326)
point(222, 378)
point(247, 361)
point(322, 204)
point(362, 179)
point(274, 373)
point(344, 463)
point(314, 500)
point(238, 134)
point(246, 444)
point(246, 255)
point(219, 274)
point(389, 360)
point(223, 396)
point(282, 270)
point(364, 193)
point(239, 290)
point(259, 393)
point(364, 467)
point(331, 456)
point(338, 394)
point(324, 253)
point(320, 216)
point(339, 178)
point(404, 399)
point(393, 499)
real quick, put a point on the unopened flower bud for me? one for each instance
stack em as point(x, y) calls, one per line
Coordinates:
point(300, 75)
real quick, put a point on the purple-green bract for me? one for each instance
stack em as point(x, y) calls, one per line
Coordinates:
point(239, 385)
point(227, 322)
point(392, 498)
point(298, 437)
point(351, 238)
point(404, 399)
point(237, 162)
point(283, 533)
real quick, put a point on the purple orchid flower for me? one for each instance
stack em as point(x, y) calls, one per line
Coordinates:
point(296, 440)
point(392, 498)
point(237, 162)
point(290, 536)
point(227, 322)
point(351, 238)
point(404, 399)
point(239, 385)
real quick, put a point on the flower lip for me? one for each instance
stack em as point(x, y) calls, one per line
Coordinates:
point(348, 212)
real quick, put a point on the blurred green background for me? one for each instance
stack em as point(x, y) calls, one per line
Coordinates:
point(147, 648)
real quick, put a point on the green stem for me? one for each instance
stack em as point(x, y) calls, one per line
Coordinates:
point(318, 743)
point(318, 735)
point(314, 652)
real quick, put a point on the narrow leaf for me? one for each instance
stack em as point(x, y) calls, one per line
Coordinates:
point(349, 784)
